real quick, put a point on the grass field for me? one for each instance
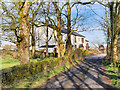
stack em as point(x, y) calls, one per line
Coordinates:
point(9, 61)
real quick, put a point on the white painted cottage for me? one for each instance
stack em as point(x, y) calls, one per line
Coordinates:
point(77, 40)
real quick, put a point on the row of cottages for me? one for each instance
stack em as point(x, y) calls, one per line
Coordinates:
point(77, 40)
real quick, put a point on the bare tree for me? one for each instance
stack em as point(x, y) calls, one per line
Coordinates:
point(114, 8)
point(72, 23)
point(17, 19)
point(57, 25)
point(34, 12)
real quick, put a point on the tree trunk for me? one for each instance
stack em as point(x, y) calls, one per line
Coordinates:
point(59, 51)
point(108, 33)
point(68, 28)
point(111, 28)
point(47, 41)
point(59, 42)
point(119, 49)
point(62, 50)
point(33, 42)
point(59, 45)
point(18, 48)
point(33, 51)
point(119, 41)
point(108, 43)
point(118, 30)
point(24, 33)
point(24, 44)
point(115, 57)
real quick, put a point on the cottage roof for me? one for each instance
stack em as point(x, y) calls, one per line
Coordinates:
point(86, 40)
point(64, 30)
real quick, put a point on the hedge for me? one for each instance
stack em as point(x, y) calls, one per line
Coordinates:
point(11, 74)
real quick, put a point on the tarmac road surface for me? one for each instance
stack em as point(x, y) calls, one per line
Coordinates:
point(89, 74)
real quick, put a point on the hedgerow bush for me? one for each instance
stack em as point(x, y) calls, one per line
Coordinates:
point(107, 60)
point(77, 54)
point(9, 75)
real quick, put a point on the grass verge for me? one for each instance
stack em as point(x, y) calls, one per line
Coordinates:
point(10, 62)
point(38, 79)
point(114, 74)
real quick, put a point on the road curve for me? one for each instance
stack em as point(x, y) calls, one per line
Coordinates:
point(89, 74)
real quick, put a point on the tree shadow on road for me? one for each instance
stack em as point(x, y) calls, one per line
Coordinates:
point(74, 77)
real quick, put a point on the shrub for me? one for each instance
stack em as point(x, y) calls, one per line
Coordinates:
point(107, 60)
point(9, 53)
point(9, 75)
point(39, 53)
point(78, 54)
point(51, 54)
point(3, 49)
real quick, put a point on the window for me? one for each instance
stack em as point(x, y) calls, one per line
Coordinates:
point(82, 40)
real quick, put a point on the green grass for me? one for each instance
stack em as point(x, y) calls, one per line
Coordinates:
point(38, 79)
point(114, 74)
point(10, 62)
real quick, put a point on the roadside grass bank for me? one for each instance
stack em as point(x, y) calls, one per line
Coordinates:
point(11, 58)
point(36, 80)
point(38, 71)
point(113, 72)
point(7, 61)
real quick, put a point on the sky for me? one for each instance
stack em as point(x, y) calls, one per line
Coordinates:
point(91, 24)
point(93, 32)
